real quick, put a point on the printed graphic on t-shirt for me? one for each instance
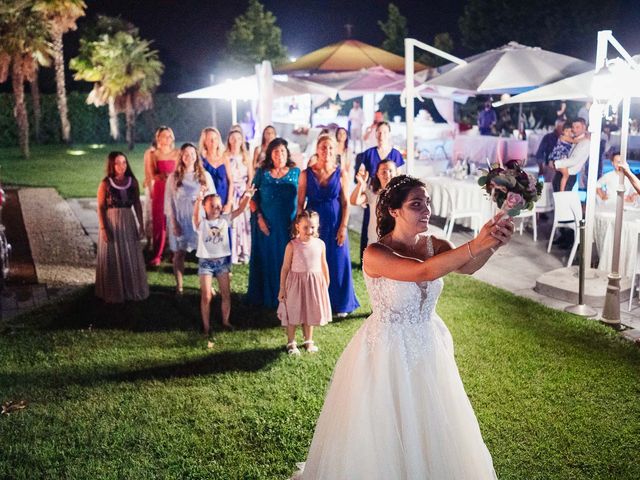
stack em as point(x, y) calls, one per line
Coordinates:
point(214, 236)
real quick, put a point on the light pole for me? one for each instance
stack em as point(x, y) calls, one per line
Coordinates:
point(609, 85)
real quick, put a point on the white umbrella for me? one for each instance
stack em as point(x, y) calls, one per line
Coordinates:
point(577, 88)
point(246, 88)
point(513, 68)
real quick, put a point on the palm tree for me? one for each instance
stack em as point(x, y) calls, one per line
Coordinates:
point(125, 72)
point(22, 46)
point(61, 16)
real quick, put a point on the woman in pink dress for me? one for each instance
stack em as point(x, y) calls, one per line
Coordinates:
point(304, 283)
point(241, 173)
point(162, 162)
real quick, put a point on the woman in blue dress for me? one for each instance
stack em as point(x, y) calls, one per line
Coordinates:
point(217, 165)
point(369, 159)
point(324, 186)
point(275, 208)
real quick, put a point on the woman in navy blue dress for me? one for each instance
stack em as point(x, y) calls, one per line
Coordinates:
point(217, 165)
point(370, 159)
point(275, 208)
point(324, 186)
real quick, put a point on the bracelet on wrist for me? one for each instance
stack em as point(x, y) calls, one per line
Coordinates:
point(473, 257)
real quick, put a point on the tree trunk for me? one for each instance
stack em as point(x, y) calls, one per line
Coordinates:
point(131, 121)
point(37, 109)
point(58, 58)
point(20, 109)
point(114, 129)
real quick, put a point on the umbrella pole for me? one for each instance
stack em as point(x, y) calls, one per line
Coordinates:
point(409, 113)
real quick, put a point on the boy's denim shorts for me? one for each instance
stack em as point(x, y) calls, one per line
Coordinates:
point(214, 266)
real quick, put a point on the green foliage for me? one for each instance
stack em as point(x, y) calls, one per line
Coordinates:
point(442, 41)
point(91, 124)
point(546, 23)
point(395, 30)
point(255, 37)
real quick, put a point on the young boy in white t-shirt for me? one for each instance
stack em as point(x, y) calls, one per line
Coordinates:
point(214, 252)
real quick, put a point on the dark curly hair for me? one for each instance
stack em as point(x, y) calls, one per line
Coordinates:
point(391, 198)
point(268, 160)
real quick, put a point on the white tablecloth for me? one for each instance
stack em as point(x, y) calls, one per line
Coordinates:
point(477, 148)
point(466, 195)
point(603, 230)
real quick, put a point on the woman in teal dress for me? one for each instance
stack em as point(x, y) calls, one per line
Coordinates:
point(275, 201)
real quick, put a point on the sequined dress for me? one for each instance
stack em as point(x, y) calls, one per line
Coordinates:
point(396, 407)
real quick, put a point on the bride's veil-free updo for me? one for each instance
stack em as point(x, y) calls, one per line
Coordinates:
point(391, 198)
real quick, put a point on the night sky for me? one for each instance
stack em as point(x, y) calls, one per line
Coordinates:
point(190, 34)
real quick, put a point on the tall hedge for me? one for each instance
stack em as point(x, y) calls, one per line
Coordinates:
point(90, 124)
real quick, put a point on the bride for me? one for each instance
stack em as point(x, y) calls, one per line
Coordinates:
point(396, 408)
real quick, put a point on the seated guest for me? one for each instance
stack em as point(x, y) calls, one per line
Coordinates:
point(608, 183)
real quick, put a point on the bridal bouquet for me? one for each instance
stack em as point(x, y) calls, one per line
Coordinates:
point(511, 187)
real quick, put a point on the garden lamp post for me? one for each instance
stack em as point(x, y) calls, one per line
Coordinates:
point(610, 84)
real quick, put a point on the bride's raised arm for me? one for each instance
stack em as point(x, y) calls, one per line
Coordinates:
point(381, 261)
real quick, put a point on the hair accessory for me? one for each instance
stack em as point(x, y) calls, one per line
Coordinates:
point(389, 188)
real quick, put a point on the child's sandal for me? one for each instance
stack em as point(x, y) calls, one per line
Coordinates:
point(292, 348)
point(310, 346)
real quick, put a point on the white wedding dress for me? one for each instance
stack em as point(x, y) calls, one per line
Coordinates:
point(396, 407)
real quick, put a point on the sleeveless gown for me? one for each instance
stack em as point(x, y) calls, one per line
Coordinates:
point(120, 272)
point(159, 222)
point(396, 407)
point(326, 201)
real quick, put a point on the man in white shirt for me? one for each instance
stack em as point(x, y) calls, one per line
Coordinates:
point(356, 117)
point(606, 191)
point(577, 158)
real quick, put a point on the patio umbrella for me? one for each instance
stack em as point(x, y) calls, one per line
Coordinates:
point(348, 55)
point(577, 88)
point(513, 68)
point(246, 88)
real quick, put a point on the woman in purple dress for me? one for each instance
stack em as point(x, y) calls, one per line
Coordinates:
point(324, 186)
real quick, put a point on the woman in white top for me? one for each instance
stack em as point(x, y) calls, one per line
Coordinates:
point(367, 193)
point(183, 187)
point(241, 172)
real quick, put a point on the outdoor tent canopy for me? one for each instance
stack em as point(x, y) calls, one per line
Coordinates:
point(347, 55)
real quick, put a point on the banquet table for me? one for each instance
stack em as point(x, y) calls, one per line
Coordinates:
point(477, 148)
point(466, 195)
point(603, 231)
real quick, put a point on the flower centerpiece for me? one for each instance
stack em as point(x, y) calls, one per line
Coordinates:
point(511, 187)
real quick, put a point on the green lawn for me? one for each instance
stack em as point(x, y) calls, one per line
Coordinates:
point(132, 392)
point(74, 171)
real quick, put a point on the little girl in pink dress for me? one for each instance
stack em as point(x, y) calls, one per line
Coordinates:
point(304, 283)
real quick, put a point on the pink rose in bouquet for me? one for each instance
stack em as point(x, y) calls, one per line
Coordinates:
point(511, 187)
point(514, 200)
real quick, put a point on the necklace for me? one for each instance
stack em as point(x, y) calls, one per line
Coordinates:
point(279, 172)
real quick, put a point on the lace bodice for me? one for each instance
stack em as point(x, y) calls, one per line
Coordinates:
point(403, 313)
